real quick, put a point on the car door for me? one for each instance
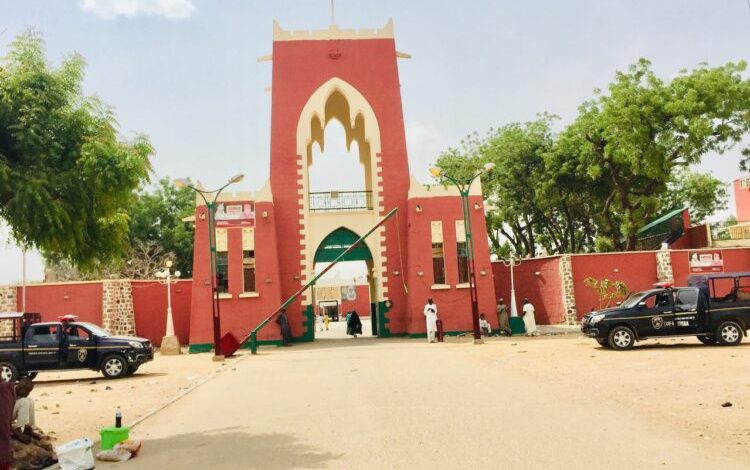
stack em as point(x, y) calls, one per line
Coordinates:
point(656, 315)
point(42, 347)
point(79, 347)
point(687, 319)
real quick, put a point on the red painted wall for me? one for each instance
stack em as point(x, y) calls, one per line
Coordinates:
point(735, 260)
point(544, 290)
point(454, 304)
point(52, 300)
point(238, 315)
point(150, 306)
point(299, 69)
point(694, 237)
point(361, 305)
point(636, 269)
point(741, 201)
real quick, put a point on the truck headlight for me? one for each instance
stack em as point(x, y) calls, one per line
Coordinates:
point(597, 318)
point(135, 344)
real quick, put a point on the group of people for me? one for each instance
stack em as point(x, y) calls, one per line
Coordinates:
point(527, 313)
point(22, 446)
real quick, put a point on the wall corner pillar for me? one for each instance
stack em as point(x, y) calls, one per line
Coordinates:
point(568, 290)
point(664, 266)
point(118, 314)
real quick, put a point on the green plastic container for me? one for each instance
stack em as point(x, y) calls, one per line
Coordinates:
point(516, 325)
point(112, 436)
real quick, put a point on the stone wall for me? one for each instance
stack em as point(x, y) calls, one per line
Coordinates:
point(118, 315)
point(568, 289)
point(8, 303)
point(664, 266)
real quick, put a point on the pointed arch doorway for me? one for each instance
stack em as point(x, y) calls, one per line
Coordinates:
point(336, 243)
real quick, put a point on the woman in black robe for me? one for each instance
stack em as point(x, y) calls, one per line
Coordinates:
point(354, 325)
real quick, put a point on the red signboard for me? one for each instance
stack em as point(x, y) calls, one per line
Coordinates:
point(705, 262)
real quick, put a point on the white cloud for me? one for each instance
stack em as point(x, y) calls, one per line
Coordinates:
point(109, 9)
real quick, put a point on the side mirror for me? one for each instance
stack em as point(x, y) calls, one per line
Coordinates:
point(641, 304)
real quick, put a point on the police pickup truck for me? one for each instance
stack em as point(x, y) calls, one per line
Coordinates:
point(665, 311)
point(28, 346)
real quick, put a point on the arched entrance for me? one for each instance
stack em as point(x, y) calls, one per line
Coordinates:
point(332, 246)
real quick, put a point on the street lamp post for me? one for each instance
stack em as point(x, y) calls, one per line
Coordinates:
point(170, 344)
point(512, 262)
point(463, 188)
point(211, 209)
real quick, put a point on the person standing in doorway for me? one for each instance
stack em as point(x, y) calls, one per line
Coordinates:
point(529, 319)
point(353, 324)
point(430, 315)
point(502, 318)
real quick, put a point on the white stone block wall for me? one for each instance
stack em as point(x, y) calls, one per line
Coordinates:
point(118, 315)
point(568, 289)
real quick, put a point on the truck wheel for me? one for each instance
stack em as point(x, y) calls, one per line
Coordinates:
point(707, 339)
point(729, 333)
point(621, 338)
point(114, 366)
point(8, 372)
point(603, 342)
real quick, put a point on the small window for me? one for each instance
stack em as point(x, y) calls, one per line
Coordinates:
point(222, 272)
point(438, 264)
point(43, 334)
point(659, 300)
point(75, 332)
point(686, 298)
point(248, 270)
point(463, 262)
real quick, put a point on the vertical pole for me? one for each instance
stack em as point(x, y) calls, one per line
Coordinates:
point(513, 309)
point(211, 208)
point(170, 325)
point(23, 289)
point(470, 254)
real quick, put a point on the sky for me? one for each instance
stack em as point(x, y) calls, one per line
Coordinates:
point(185, 73)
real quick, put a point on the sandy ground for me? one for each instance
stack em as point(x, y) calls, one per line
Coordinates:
point(512, 403)
point(77, 404)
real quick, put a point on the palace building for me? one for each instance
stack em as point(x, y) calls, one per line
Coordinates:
point(270, 241)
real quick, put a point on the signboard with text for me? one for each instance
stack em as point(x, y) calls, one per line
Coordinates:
point(235, 213)
point(705, 262)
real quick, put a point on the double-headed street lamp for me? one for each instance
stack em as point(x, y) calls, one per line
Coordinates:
point(464, 185)
point(211, 209)
point(170, 344)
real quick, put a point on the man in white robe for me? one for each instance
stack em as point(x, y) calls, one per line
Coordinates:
point(529, 321)
point(430, 314)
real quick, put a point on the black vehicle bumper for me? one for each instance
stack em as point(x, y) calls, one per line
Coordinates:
point(590, 331)
point(139, 356)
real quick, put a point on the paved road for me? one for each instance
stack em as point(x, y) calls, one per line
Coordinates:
point(368, 403)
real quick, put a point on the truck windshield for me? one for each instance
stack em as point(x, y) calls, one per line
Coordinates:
point(632, 300)
point(95, 330)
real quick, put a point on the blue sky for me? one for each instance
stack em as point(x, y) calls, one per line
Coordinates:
point(185, 72)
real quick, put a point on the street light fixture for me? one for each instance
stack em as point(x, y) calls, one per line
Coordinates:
point(170, 344)
point(464, 185)
point(211, 209)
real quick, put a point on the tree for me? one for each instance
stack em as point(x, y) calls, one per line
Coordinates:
point(633, 138)
point(701, 193)
point(66, 180)
point(533, 203)
point(156, 217)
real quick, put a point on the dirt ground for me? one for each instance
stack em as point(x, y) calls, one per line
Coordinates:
point(513, 403)
point(75, 404)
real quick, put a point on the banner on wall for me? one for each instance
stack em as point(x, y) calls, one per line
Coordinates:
point(240, 213)
point(349, 293)
point(705, 262)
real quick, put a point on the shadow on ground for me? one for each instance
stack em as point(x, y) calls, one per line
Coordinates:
point(96, 377)
point(229, 448)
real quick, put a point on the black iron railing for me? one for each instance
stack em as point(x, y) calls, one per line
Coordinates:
point(332, 201)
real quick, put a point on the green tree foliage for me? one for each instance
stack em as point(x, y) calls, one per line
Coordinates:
point(701, 193)
point(634, 137)
point(66, 180)
point(624, 160)
point(157, 217)
point(606, 290)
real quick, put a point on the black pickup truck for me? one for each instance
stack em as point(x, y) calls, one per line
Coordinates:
point(677, 311)
point(28, 346)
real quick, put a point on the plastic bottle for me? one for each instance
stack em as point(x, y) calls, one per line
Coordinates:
point(118, 417)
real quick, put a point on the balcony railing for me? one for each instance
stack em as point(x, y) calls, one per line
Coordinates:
point(335, 201)
point(739, 231)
